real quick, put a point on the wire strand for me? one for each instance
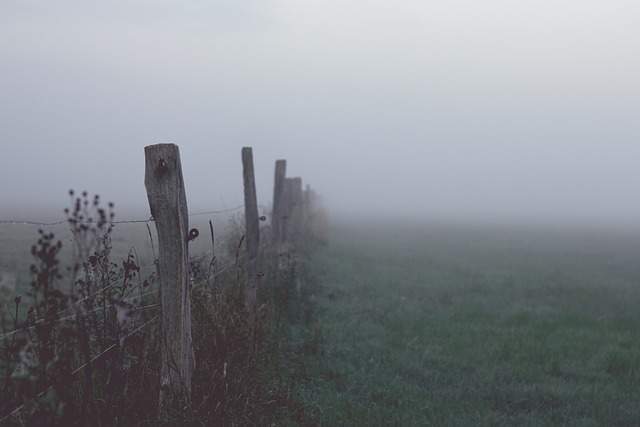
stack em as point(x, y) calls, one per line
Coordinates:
point(91, 221)
point(218, 212)
point(16, 410)
point(79, 314)
point(74, 221)
point(113, 345)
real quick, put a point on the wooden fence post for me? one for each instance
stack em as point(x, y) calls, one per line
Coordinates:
point(278, 219)
point(167, 200)
point(252, 233)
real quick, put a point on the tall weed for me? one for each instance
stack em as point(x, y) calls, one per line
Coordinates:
point(87, 351)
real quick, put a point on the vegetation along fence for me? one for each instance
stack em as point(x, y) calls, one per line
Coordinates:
point(94, 316)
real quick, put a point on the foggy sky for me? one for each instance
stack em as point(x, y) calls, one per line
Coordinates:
point(496, 109)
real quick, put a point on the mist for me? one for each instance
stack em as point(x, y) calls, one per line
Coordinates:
point(501, 111)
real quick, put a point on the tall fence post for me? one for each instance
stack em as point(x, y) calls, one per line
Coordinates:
point(167, 200)
point(252, 233)
point(278, 219)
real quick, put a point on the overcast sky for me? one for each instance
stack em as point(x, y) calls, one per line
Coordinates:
point(494, 108)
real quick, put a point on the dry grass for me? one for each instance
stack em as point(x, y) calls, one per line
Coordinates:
point(85, 347)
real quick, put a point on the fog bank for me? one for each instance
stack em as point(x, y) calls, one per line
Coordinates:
point(501, 112)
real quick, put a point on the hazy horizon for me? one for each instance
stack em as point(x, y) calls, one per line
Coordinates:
point(497, 112)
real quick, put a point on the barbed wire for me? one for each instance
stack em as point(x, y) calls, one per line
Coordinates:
point(218, 212)
point(114, 344)
point(91, 221)
point(77, 303)
point(80, 314)
point(62, 313)
point(16, 410)
point(74, 221)
point(83, 313)
point(217, 272)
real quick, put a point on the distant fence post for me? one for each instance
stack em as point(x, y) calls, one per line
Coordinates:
point(287, 214)
point(278, 219)
point(298, 204)
point(252, 234)
point(306, 207)
point(294, 208)
point(167, 200)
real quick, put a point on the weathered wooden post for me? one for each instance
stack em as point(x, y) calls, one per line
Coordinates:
point(252, 233)
point(167, 200)
point(278, 219)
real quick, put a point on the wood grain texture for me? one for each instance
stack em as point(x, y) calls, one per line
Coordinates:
point(252, 227)
point(167, 200)
point(278, 219)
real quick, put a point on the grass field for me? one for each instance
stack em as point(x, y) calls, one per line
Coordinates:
point(441, 324)
point(434, 324)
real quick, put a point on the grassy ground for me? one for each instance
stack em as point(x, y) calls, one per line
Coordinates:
point(453, 325)
point(433, 324)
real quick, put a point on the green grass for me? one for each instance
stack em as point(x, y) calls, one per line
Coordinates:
point(465, 325)
point(419, 324)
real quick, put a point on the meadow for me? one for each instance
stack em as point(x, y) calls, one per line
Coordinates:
point(472, 325)
point(387, 323)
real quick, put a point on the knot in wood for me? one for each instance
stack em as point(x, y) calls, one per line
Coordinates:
point(193, 233)
point(163, 166)
point(263, 218)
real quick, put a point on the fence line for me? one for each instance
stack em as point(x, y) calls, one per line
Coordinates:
point(216, 273)
point(75, 221)
point(165, 191)
point(92, 221)
point(151, 219)
point(218, 212)
point(114, 283)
